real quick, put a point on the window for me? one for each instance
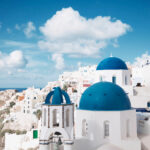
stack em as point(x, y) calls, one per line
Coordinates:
point(148, 104)
point(67, 118)
point(55, 118)
point(106, 129)
point(128, 128)
point(126, 81)
point(44, 116)
point(114, 79)
point(101, 78)
point(84, 128)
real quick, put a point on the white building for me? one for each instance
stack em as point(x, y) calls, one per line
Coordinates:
point(103, 121)
point(105, 118)
point(33, 99)
point(141, 75)
point(78, 80)
point(57, 119)
point(24, 141)
point(50, 86)
point(111, 69)
point(115, 70)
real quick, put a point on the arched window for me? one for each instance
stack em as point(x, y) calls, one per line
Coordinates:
point(44, 116)
point(67, 118)
point(126, 80)
point(84, 128)
point(55, 118)
point(128, 128)
point(114, 79)
point(106, 129)
point(101, 78)
point(148, 104)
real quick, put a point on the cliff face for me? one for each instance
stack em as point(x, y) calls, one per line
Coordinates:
point(6, 96)
point(2, 103)
point(22, 122)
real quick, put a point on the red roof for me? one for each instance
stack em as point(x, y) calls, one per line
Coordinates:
point(86, 85)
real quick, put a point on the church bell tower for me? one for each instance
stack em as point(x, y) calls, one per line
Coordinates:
point(57, 121)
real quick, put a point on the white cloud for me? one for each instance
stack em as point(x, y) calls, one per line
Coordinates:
point(17, 27)
point(22, 45)
point(35, 63)
point(74, 48)
point(30, 28)
point(58, 59)
point(70, 33)
point(115, 43)
point(14, 60)
point(142, 61)
point(8, 30)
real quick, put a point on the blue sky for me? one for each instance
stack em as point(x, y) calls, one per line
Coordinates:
point(39, 39)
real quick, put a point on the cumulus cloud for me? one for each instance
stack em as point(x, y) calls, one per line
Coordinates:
point(14, 60)
point(18, 44)
point(142, 61)
point(58, 59)
point(74, 48)
point(17, 27)
point(70, 33)
point(30, 28)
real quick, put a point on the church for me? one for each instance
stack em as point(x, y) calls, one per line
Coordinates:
point(104, 120)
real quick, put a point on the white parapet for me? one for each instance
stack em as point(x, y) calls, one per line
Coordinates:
point(68, 145)
point(44, 147)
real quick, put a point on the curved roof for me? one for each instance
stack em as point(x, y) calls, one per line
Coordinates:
point(104, 96)
point(57, 97)
point(112, 63)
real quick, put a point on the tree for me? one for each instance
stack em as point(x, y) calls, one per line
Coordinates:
point(65, 87)
point(11, 104)
point(7, 111)
point(38, 114)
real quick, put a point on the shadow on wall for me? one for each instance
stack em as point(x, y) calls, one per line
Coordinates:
point(135, 92)
point(82, 144)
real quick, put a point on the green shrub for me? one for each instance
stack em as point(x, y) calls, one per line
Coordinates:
point(11, 104)
point(38, 114)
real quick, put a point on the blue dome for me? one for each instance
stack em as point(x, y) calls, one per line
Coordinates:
point(112, 63)
point(104, 96)
point(56, 97)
